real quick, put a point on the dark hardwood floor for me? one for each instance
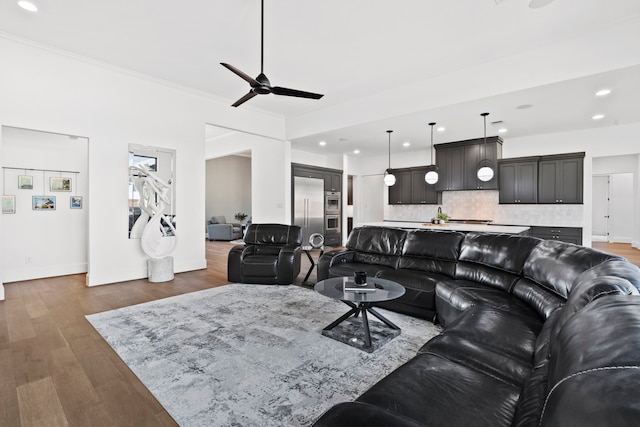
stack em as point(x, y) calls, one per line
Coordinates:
point(56, 370)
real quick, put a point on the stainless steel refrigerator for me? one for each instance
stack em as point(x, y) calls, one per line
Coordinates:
point(308, 207)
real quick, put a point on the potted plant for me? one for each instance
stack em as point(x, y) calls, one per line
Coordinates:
point(241, 216)
point(442, 217)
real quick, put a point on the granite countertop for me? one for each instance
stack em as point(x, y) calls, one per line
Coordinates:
point(486, 228)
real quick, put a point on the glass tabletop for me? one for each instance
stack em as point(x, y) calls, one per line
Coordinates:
point(386, 290)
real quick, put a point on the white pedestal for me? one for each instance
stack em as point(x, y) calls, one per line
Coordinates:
point(160, 269)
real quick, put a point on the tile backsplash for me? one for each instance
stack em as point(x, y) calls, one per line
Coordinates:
point(484, 205)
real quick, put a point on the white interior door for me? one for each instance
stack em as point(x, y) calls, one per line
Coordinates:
point(600, 211)
point(621, 208)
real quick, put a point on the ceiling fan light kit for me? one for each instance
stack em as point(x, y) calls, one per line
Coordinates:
point(485, 171)
point(261, 84)
point(389, 178)
point(431, 177)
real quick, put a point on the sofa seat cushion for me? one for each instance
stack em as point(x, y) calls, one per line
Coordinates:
point(260, 265)
point(453, 297)
point(420, 286)
point(435, 391)
point(498, 343)
point(347, 269)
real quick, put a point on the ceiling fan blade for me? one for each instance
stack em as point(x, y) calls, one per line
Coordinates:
point(293, 92)
point(248, 78)
point(244, 99)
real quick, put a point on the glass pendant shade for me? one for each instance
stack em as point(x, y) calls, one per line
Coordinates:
point(485, 171)
point(389, 179)
point(431, 177)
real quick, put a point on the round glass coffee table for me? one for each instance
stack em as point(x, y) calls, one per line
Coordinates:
point(361, 302)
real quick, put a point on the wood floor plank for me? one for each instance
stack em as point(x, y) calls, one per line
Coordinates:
point(39, 405)
point(18, 321)
point(28, 361)
point(10, 409)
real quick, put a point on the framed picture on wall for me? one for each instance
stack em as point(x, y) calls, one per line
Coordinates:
point(25, 182)
point(43, 203)
point(57, 183)
point(8, 204)
point(76, 202)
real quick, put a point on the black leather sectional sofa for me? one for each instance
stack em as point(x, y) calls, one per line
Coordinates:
point(536, 332)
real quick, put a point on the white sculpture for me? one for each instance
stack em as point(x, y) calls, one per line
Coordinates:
point(151, 225)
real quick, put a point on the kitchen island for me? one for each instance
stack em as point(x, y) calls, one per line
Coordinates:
point(451, 226)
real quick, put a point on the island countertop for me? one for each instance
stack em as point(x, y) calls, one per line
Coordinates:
point(483, 228)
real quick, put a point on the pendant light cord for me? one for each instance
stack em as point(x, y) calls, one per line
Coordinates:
point(484, 115)
point(262, 37)
point(432, 125)
point(389, 132)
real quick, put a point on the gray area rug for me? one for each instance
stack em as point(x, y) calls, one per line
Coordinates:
point(250, 355)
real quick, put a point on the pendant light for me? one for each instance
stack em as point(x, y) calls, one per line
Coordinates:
point(485, 171)
point(431, 177)
point(389, 178)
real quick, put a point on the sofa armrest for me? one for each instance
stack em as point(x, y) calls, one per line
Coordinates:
point(220, 231)
point(234, 262)
point(288, 264)
point(359, 414)
point(329, 259)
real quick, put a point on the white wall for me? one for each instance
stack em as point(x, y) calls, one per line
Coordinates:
point(228, 188)
point(45, 90)
point(50, 242)
point(270, 173)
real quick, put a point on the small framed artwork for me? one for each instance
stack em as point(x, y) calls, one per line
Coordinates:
point(76, 202)
point(25, 182)
point(8, 204)
point(59, 183)
point(43, 203)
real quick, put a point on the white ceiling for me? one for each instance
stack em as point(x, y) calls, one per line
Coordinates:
point(348, 50)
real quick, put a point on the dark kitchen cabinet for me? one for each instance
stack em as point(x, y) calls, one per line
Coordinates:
point(332, 181)
point(421, 192)
point(458, 163)
point(518, 180)
point(560, 179)
point(564, 234)
point(450, 162)
point(400, 192)
point(411, 189)
point(473, 154)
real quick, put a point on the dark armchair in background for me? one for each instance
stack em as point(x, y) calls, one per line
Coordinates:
point(270, 255)
point(219, 229)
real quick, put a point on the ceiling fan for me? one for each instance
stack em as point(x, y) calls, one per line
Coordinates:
point(261, 85)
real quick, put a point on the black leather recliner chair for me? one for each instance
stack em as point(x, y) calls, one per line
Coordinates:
point(270, 255)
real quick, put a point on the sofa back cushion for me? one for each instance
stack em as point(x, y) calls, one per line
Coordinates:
point(538, 297)
point(556, 265)
point(377, 245)
point(594, 368)
point(494, 259)
point(433, 251)
point(273, 234)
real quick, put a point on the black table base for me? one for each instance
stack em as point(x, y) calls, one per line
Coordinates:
point(356, 310)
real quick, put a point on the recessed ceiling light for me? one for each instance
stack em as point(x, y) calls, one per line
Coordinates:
point(524, 107)
point(27, 5)
point(603, 92)
point(323, 143)
point(406, 144)
point(441, 129)
point(356, 151)
point(502, 130)
point(598, 116)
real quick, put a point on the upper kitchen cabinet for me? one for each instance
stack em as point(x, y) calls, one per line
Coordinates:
point(332, 181)
point(400, 192)
point(450, 162)
point(560, 178)
point(411, 189)
point(518, 180)
point(421, 192)
point(458, 163)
